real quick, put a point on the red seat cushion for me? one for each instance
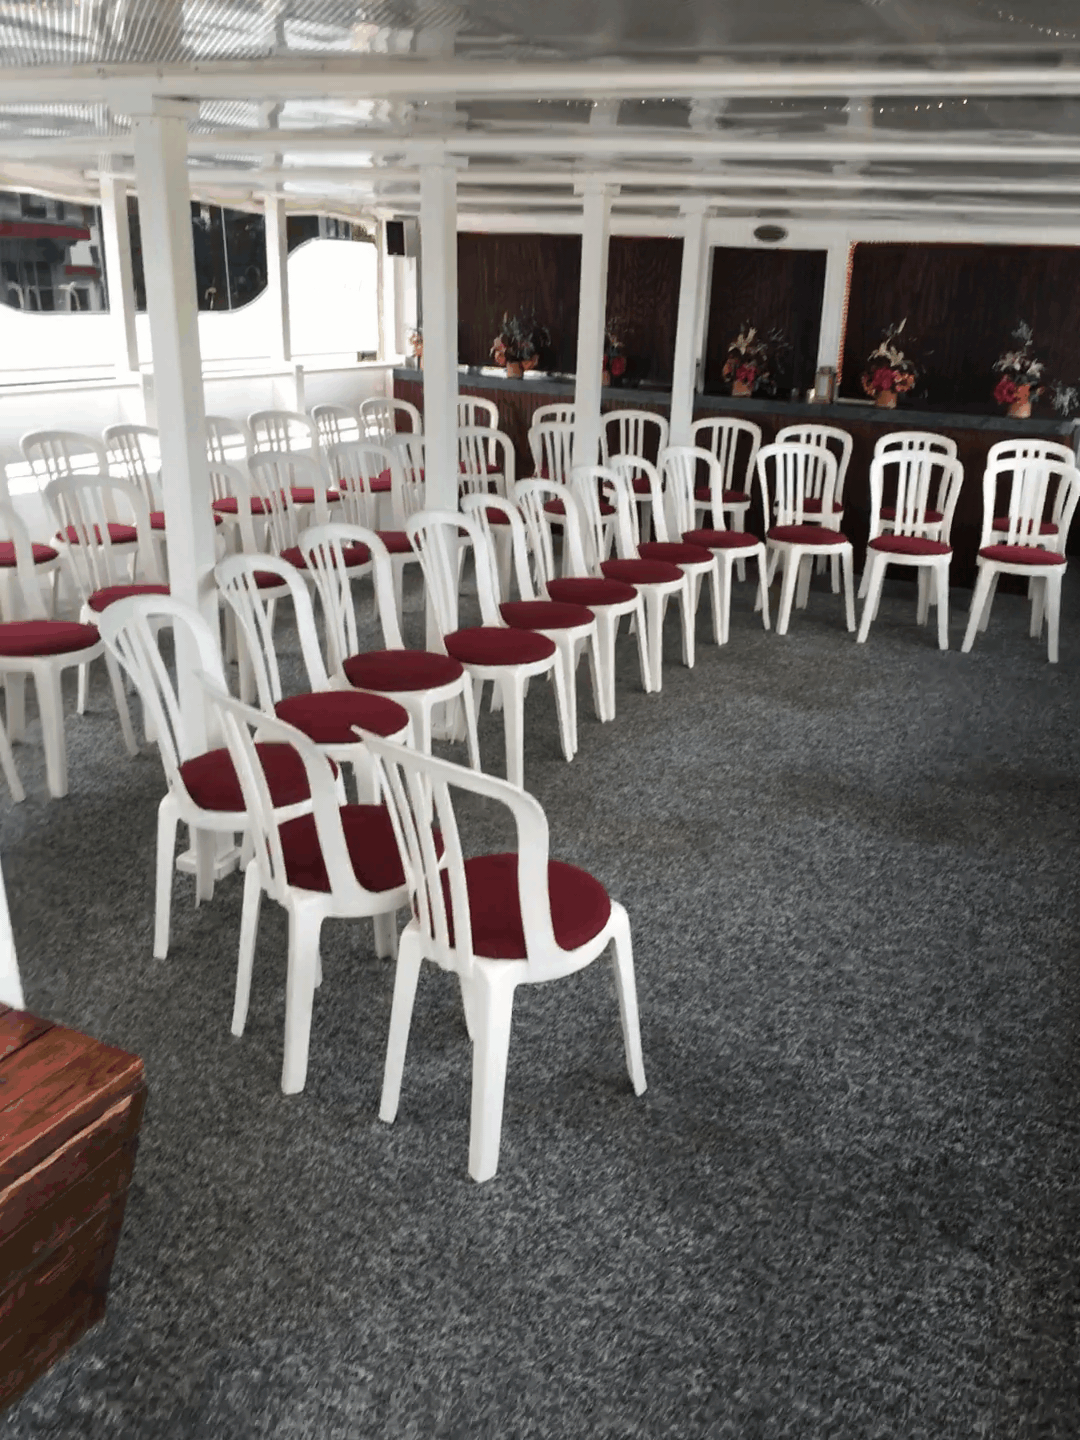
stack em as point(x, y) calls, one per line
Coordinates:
point(401, 670)
point(675, 552)
point(118, 534)
point(806, 535)
point(556, 507)
point(369, 836)
point(909, 545)
point(102, 599)
point(382, 482)
point(354, 555)
point(327, 716)
point(545, 615)
point(157, 519)
point(585, 590)
point(1001, 522)
point(493, 645)
point(210, 779)
point(268, 580)
point(812, 506)
point(42, 553)
point(396, 541)
point(721, 539)
point(375, 486)
point(305, 495)
point(728, 497)
point(490, 469)
point(580, 907)
point(45, 637)
point(642, 486)
point(229, 505)
point(498, 517)
point(1022, 555)
point(932, 517)
point(641, 572)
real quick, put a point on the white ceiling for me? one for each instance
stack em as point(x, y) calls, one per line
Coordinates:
point(963, 110)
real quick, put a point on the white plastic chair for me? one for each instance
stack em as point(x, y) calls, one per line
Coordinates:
point(283, 430)
point(925, 479)
point(734, 444)
point(609, 600)
point(1022, 547)
point(416, 679)
point(900, 442)
point(928, 440)
point(379, 417)
point(337, 862)
point(839, 444)
point(335, 424)
point(790, 475)
point(33, 645)
point(680, 467)
point(634, 432)
point(46, 560)
point(284, 482)
point(491, 650)
point(134, 454)
point(203, 790)
point(1001, 458)
point(58, 454)
point(227, 441)
point(363, 471)
point(486, 460)
point(472, 411)
point(571, 626)
point(552, 445)
point(561, 414)
point(495, 921)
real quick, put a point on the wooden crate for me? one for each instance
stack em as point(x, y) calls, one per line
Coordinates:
point(70, 1110)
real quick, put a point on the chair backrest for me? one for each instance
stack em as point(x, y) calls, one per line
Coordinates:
point(472, 411)
point(288, 430)
point(238, 724)
point(920, 480)
point(631, 432)
point(682, 469)
point(618, 489)
point(83, 506)
point(1028, 485)
point(795, 472)
point(915, 440)
point(132, 630)
point(636, 467)
point(481, 449)
point(335, 423)
point(586, 482)
point(53, 454)
point(23, 596)
point(379, 418)
point(552, 446)
point(828, 437)
point(354, 467)
point(227, 441)
point(134, 454)
point(1030, 450)
point(437, 536)
point(275, 475)
point(483, 508)
point(229, 482)
point(561, 414)
point(237, 578)
point(410, 783)
point(735, 443)
point(530, 497)
point(407, 490)
point(323, 548)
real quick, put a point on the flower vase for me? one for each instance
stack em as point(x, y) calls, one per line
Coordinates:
point(514, 370)
point(1020, 410)
point(740, 387)
point(885, 399)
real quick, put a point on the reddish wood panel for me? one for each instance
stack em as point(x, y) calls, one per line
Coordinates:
point(17, 1029)
point(643, 295)
point(518, 274)
point(768, 289)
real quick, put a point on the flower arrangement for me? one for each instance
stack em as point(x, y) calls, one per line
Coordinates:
point(614, 358)
point(519, 342)
point(889, 372)
point(751, 360)
point(1020, 373)
point(416, 343)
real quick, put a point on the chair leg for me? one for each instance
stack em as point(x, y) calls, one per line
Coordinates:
point(493, 1005)
point(847, 560)
point(7, 764)
point(835, 562)
point(923, 612)
point(565, 682)
point(654, 636)
point(82, 692)
point(245, 960)
point(15, 703)
point(406, 975)
point(51, 707)
point(873, 578)
point(941, 579)
point(787, 590)
point(688, 607)
point(120, 696)
point(299, 997)
point(763, 589)
point(1037, 592)
point(513, 698)
point(165, 864)
point(985, 620)
point(1053, 615)
point(640, 630)
point(722, 599)
point(469, 711)
point(802, 591)
point(205, 843)
point(385, 934)
point(980, 602)
point(622, 959)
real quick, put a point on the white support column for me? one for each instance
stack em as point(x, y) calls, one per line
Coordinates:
point(165, 218)
point(438, 279)
point(684, 380)
point(833, 305)
point(289, 389)
point(116, 238)
point(592, 308)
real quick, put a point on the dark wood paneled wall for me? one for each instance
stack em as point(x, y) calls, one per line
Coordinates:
point(509, 274)
point(770, 289)
point(962, 303)
point(643, 291)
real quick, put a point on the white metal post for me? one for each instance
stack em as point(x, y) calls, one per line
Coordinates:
point(438, 279)
point(592, 308)
point(684, 379)
point(833, 305)
point(116, 238)
point(165, 219)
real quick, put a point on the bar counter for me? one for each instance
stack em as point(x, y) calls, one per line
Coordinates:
point(974, 433)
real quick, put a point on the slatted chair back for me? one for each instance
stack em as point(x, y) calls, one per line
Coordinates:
point(916, 440)
point(586, 484)
point(323, 547)
point(83, 506)
point(355, 466)
point(735, 444)
point(561, 414)
point(636, 467)
point(552, 447)
point(484, 509)
point(682, 468)
point(530, 497)
point(283, 430)
point(473, 411)
point(1030, 450)
point(1034, 491)
point(482, 454)
point(437, 537)
point(790, 473)
point(227, 441)
point(237, 578)
point(631, 432)
point(134, 453)
point(920, 481)
point(54, 454)
point(275, 476)
point(380, 417)
point(21, 597)
point(407, 490)
point(229, 482)
point(335, 424)
point(827, 437)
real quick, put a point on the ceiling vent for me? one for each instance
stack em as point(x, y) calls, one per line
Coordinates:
point(770, 234)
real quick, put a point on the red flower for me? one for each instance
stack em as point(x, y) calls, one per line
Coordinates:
point(618, 365)
point(883, 378)
point(1005, 391)
point(746, 374)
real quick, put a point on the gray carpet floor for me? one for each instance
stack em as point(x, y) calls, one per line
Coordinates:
point(848, 1203)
